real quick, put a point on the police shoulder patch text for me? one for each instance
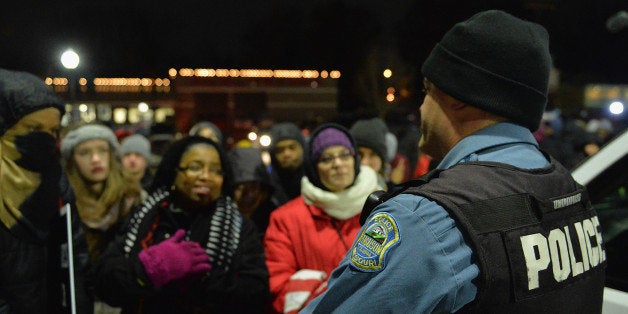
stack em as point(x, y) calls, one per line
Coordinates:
point(377, 237)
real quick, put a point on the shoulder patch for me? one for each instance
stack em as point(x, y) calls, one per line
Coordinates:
point(377, 237)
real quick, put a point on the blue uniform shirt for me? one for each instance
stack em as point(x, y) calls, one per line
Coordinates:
point(425, 265)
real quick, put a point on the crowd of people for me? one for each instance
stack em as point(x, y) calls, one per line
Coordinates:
point(91, 222)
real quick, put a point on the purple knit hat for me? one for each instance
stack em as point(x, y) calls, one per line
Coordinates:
point(330, 137)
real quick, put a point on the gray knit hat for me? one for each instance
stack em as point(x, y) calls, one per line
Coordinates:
point(286, 131)
point(22, 93)
point(391, 145)
point(248, 165)
point(86, 133)
point(371, 133)
point(196, 129)
point(496, 62)
point(136, 143)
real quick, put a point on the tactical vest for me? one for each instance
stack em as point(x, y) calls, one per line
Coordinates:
point(535, 236)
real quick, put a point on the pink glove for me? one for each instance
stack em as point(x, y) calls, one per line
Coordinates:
point(174, 259)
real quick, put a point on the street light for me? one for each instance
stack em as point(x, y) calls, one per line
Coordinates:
point(70, 59)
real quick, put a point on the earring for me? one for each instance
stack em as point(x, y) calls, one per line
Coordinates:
point(173, 188)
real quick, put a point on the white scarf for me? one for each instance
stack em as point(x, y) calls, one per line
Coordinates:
point(346, 203)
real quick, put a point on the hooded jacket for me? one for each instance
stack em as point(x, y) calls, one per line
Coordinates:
point(30, 196)
point(286, 183)
point(248, 168)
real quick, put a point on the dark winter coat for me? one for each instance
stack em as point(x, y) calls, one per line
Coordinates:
point(248, 167)
point(237, 282)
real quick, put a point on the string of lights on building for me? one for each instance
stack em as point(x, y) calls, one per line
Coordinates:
point(130, 84)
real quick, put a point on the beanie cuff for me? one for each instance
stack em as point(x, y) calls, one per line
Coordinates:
point(86, 133)
point(23, 93)
point(484, 89)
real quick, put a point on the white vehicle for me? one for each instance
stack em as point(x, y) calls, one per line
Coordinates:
point(605, 175)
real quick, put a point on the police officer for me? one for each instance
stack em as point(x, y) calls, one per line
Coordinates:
point(499, 226)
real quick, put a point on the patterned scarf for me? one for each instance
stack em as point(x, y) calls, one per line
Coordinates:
point(223, 231)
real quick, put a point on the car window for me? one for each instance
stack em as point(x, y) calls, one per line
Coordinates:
point(609, 196)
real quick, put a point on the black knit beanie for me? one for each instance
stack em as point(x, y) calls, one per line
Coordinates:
point(286, 131)
point(22, 93)
point(371, 133)
point(496, 62)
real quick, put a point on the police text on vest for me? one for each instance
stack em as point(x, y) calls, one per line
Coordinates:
point(557, 249)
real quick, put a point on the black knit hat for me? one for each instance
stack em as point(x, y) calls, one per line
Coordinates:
point(496, 62)
point(22, 93)
point(371, 133)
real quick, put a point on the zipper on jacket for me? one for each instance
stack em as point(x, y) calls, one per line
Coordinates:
point(342, 238)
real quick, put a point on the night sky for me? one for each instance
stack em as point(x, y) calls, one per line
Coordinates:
point(146, 38)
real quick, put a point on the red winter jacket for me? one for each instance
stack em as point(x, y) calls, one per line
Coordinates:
point(301, 236)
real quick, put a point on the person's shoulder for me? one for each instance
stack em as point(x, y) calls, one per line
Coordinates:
point(405, 201)
point(413, 210)
point(291, 208)
point(296, 202)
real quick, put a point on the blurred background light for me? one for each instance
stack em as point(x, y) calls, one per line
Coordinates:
point(616, 107)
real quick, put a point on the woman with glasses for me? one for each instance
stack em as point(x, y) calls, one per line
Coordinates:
point(309, 235)
point(187, 249)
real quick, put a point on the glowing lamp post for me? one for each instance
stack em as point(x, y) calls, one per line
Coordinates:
point(70, 59)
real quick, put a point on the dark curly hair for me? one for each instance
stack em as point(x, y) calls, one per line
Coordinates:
point(167, 169)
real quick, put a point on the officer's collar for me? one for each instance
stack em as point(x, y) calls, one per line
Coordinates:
point(494, 135)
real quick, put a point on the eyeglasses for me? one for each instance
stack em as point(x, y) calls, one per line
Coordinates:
point(196, 169)
point(329, 159)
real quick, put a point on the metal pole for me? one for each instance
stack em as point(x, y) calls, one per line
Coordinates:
point(68, 219)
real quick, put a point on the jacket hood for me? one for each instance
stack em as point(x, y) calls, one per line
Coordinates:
point(310, 165)
point(248, 166)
